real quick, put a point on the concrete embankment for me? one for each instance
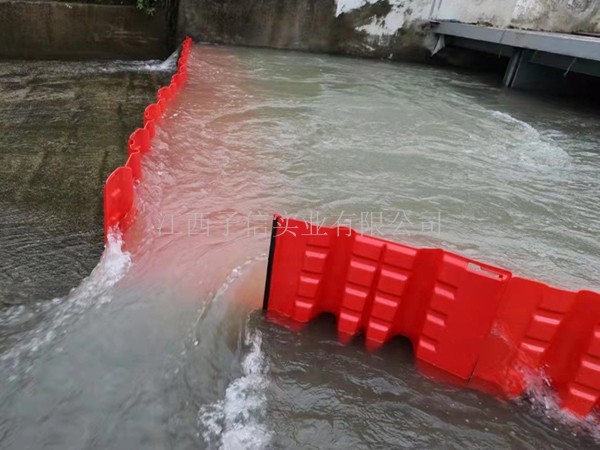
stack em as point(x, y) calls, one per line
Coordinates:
point(558, 60)
point(63, 128)
point(397, 29)
point(63, 30)
point(311, 25)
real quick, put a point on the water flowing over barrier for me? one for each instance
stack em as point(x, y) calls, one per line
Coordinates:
point(473, 321)
point(477, 323)
point(119, 193)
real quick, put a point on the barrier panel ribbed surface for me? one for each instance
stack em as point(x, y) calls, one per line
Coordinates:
point(475, 322)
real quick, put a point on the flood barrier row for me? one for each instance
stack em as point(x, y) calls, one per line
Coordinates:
point(119, 192)
point(475, 322)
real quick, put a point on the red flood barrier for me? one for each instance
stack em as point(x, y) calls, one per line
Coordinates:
point(118, 198)
point(164, 93)
point(475, 322)
point(139, 141)
point(134, 162)
point(119, 192)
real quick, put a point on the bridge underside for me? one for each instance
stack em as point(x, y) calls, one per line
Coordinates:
point(537, 60)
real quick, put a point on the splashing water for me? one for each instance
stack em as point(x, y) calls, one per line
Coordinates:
point(59, 314)
point(236, 421)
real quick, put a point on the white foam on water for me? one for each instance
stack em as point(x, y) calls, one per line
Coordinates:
point(113, 67)
point(152, 65)
point(545, 402)
point(57, 315)
point(510, 119)
point(530, 147)
point(237, 421)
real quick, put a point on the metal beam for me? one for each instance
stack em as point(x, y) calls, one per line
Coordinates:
point(480, 46)
point(566, 63)
point(584, 47)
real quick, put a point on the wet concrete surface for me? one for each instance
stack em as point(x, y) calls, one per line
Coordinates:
point(63, 129)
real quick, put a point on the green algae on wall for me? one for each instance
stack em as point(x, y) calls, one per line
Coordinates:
point(62, 30)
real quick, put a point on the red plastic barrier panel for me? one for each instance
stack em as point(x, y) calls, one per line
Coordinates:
point(139, 141)
point(152, 112)
point(182, 65)
point(471, 320)
point(149, 127)
point(541, 329)
point(164, 93)
point(176, 82)
point(118, 190)
point(134, 162)
point(162, 105)
point(118, 199)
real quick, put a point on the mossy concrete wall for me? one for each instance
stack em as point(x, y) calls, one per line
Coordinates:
point(62, 30)
point(292, 24)
point(311, 25)
point(395, 29)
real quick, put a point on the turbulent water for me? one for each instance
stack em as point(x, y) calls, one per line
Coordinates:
point(164, 346)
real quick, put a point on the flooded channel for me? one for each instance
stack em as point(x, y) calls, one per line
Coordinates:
point(163, 345)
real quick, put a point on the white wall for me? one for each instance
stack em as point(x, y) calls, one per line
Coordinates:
point(403, 12)
point(546, 15)
point(495, 12)
point(557, 15)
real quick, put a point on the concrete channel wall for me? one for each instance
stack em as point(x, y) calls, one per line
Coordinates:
point(380, 28)
point(562, 16)
point(397, 29)
point(62, 30)
point(363, 28)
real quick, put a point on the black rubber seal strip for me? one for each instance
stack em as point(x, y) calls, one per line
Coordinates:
point(270, 264)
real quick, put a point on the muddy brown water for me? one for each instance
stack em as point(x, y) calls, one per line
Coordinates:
point(163, 345)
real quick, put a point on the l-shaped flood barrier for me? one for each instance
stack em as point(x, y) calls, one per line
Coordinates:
point(476, 323)
point(471, 321)
point(119, 193)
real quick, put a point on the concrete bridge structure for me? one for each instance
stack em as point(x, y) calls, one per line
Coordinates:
point(538, 59)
